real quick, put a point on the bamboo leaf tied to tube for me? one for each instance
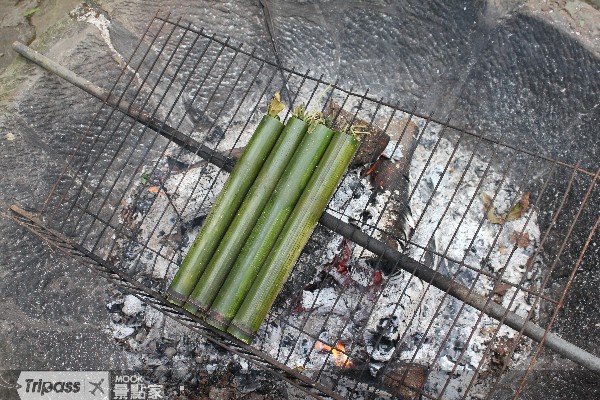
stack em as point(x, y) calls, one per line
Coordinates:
point(272, 220)
point(226, 204)
point(249, 212)
point(294, 236)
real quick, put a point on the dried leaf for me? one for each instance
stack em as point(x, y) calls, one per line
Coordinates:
point(501, 289)
point(370, 169)
point(525, 201)
point(176, 165)
point(488, 209)
point(516, 211)
point(128, 216)
point(502, 350)
point(174, 238)
point(521, 240)
point(275, 106)
point(519, 209)
point(487, 330)
point(493, 218)
point(486, 200)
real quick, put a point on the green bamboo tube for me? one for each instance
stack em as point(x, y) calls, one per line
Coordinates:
point(224, 209)
point(272, 220)
point(284, 254)
point(222, 260)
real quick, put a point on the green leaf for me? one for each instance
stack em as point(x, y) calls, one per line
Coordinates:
point(519, 209)
point(145, 178)
point(30, 12)
point(300, 113)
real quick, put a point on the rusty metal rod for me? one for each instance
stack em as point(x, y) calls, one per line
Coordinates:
point(335, 86)
point(143, 117)
point(404, 262)
point(461, 292)
point(66, 245)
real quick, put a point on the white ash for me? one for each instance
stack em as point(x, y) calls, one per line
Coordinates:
point(393, 151)
point(459, 242)
point(321, 302)
point(153, 317)
point(181, 197)
point(401, 307)
point(157, 206)
point(351, 197)
point(120, 331)
point(132, 305)
point(166, 352)
point(97, 17)
point(354, 202)
point(404, 309)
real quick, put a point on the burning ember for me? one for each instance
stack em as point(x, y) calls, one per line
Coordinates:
point(339, 353)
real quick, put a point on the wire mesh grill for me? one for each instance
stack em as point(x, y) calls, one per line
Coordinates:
point(130, 200)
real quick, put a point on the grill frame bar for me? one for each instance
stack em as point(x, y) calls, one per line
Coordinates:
point(417, 269)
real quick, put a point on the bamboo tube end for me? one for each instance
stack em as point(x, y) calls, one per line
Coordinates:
point(242, 333)
point(175, 298)
point(198, 304)
point(217, 320)
point(192, 307)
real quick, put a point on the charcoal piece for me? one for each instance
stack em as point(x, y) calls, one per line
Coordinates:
point(405, 380)
point(175, 165)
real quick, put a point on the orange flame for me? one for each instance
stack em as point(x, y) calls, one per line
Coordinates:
point(339, 356)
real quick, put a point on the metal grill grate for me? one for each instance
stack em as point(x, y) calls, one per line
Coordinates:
point(136, 188)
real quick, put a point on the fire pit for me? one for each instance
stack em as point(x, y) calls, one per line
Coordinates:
point(436, 249)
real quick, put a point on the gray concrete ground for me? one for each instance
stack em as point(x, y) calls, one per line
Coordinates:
point(53, 316)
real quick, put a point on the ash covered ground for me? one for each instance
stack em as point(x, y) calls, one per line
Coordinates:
point(346, 299)
point(562, 93)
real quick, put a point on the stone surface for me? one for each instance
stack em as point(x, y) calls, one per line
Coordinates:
point(525, 72)
point(26, 20)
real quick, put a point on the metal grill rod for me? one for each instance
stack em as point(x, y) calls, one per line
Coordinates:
point(155, 300)
point(156, 125)
point(383, 103)
point(404, 262)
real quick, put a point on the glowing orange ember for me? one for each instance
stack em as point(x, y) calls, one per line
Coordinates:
point(339, 356)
